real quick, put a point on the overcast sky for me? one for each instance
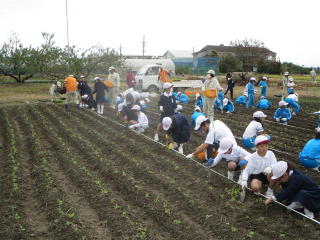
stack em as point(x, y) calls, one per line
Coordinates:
point(288, 27)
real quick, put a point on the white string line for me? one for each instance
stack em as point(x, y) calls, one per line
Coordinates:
point(239, 138)
point(209, 169)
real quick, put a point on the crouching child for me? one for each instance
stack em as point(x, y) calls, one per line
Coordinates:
point(142, 123)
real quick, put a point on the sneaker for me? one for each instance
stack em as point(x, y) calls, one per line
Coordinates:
point(209, 162)
point(92, 109)
point(156, 137)
point(269, 193)
point(293, 114)
point(295, 205)
point(308, 213)
point(316, 169)
point(230, 175)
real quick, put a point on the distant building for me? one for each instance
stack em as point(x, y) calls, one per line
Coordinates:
point(139, 57)
point(172, 54)
point(222, 50)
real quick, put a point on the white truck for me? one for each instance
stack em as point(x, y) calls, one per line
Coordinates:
point(147, 79)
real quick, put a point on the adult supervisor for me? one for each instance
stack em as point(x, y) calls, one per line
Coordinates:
point(211, 85)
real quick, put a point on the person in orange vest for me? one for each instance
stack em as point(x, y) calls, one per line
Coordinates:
point(71, 85)
point(164, 76)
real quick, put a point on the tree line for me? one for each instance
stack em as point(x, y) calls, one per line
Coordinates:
point(21, 62)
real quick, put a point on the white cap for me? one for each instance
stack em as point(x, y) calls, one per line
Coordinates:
point(282, 103)
point(318, 130)
point(97, 78)
point(197, 109)
point(167, 85)
point(147, 100)
point(290, 79)
point(111, 68)
point(178, 93)
point(136, 107)
point(197, 94)
point(120, 107)
point(317, 113)
point(225, 101)
point(166, 123)
point(246, 94)
point(199, 121)
point(286, 73)
point(59, 83)
point(81, 76)
point(85, 96)
point(259, 114)
point(225, 144)
point(229, 78)
point(252, 79)
point(220, 88)
point(179, 108)
point(211, 71)
point(70, 75)
point(278, 169)
point(264, 78)
point(261, 139)
point(262, 97)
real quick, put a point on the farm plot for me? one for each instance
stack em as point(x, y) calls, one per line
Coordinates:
point(78, 176)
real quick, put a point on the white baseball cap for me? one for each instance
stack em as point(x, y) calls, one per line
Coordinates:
point(220, 89)
point(111, 68)
point(225, 101)
point(290, 79)
point(264, 78)
point(318, 130)
point(252, 79)
point(278, 169)
point(261, 139)
point(136, 107)
point(81, 76)
point(70, 75)
point(246, 94)
point(259, 114)
point(167, 85)
point(178, 93)
point(282, 103)
point(211, 72)
point(179, 108)
point(166, 123)
point(147, 100)
point(199, 121)
point(197, 109)
point(286, 73)
point(225, 144)
point(97, 78)
point(262, 97)
point(197, 94)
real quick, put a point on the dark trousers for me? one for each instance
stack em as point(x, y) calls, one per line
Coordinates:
point(231, 91)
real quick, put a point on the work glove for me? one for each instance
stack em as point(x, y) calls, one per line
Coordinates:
point(161, 108)
point(267, 171)
point(283, 119)
point(189, 156)
point(278, 119)
point(170, 146)
point(209, 163)
point(131, 127)
point(243, 184)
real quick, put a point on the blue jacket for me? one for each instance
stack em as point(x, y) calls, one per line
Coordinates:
point(183, 98)
point(229, 107)
point(311, 149)
point(250, 87)
point(264, 104)
point(199, 101)
point(263, 83)
point(220, 95)
point(242, 100)
point(194, 117)
point(175, 95)
point(282, 113)
point(300, 188)
point(180, 129)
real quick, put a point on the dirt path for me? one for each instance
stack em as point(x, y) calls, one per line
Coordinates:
point(35, 213)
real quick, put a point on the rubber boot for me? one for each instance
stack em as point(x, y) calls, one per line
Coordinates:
point(102, 107)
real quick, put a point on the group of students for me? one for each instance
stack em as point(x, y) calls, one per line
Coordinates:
point(261, 167)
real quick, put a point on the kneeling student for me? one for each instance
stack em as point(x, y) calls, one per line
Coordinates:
point(142, 123)
point(264, 104)
point(258, 168)
point(297, 189)
point(282, 114)
point(178, 127)
point(310, 154)
point(227, 105)
point(195, 115)
point(234, 155)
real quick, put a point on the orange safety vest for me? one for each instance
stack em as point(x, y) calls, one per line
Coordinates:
point(71, 84)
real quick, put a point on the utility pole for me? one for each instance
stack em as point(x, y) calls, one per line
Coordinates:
point(143, 46)
point(120, 50)
point(67, 22)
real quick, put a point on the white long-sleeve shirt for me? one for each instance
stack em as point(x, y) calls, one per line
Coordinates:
point(115, 79)
point(294, 96)
point(235, 156)
point(256, 164)
point(253, 129)
point(142, 121)
point(217, 131)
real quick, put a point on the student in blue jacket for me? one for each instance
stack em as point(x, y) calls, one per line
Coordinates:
point(310, 154)
point(297, 189)
point(263, 86)
point(227, 105)
point(218, 103)
point(195, 115)
point(250, 89)
point(182, 98)
point(292, 100)
point(282, 114)
point(318, 113)
point(264, 103)
point(242, 100)
point(199, 100)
